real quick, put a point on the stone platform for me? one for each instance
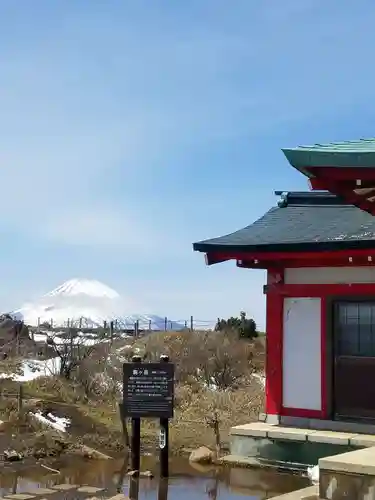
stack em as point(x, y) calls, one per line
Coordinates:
point(346, 459)
point(346, 476)
point(309, 493)
point(65, 492)
point(294, 446)
point(349, 475)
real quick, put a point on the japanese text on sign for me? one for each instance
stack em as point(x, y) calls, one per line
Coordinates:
point(148, 390)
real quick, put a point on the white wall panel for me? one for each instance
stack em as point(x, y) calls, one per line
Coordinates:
point(302, 353)
point(329, 275)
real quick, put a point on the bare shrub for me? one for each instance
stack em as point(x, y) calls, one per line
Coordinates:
point(56, 388)
point(97, 368)
point(71, 349)
point(218, 359)
point(259, 353)
point(10, 367)
point(196, 408)
point(225, 361)
point(100, 373)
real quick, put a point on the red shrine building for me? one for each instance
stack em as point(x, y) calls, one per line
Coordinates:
point(318, 249)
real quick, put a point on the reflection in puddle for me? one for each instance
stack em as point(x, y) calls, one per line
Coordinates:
point(186, 482)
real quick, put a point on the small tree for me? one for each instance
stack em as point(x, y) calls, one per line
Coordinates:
point(244, 327)
point(71, 349)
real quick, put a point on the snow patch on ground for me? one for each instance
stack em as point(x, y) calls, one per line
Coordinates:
point(260, 378)
point(61, 338)
point(35, 368)
point(60, 424)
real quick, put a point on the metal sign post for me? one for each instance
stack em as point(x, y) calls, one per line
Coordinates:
point(133, 488)
point(164, 437)
point(163, 489)
point(148, 392)
point(136, 434)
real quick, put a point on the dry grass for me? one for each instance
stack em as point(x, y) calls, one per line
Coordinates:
point(189, 427)
point(198, 358)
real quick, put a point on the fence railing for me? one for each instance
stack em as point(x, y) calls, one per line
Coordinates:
point(130, 325)
point(15, 393)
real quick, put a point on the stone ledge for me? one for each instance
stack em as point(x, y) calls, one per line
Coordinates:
point(285, 433)
point(309, 493)
point(330, 437)
point(89, 489)
point(41, 491)
point(255, 429)
point(328, 425)
point(360, 462)
point(119, 496)
point(336, 485)
point(363, 441)
point(64, 487)
point(19, 496)
point(289, 434)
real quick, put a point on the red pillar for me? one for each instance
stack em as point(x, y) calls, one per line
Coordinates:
point(274, 345)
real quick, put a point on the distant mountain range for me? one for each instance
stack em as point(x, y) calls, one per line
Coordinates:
point(88, 304)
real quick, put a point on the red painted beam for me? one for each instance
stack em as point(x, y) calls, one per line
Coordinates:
point(343, 173)
point(251, 257)
point(328, 180)
point(263, 264)
point(322, 290)
point(348, 194)
point(366, 188)
point(302, 413)
point(317, 262)
point(212, 258)
point(316, 184)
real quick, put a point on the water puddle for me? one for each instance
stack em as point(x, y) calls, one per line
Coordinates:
point(186, 482)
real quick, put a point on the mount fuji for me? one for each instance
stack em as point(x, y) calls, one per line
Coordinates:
point(88, 304)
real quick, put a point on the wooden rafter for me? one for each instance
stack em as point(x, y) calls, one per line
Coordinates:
point(280, 260)
point(354, 185)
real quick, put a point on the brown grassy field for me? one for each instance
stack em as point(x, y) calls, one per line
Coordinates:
point(201, 359)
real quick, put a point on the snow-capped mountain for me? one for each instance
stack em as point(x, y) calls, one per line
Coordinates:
point(92, 288)
point(88, 303)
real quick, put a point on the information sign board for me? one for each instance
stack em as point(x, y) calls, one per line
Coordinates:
point(148, 390)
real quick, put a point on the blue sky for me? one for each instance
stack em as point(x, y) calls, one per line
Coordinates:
point(130, 129)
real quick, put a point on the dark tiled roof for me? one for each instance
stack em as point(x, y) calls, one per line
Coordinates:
point(301, 221)
point(359, 153)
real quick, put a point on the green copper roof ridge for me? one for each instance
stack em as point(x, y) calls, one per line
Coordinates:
point(342, 146)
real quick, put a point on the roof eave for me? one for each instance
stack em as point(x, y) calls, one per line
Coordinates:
point(293, 157)
point(284, 247)
point(303, 158)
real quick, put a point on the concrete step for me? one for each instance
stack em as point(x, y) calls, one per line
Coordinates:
point(309, 493)
point(286, 433)
point(84, 492)
point(351, 473)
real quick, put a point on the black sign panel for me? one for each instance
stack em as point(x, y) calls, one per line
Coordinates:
point(148, 390)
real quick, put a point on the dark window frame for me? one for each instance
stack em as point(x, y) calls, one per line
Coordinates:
point(331, 345)
point(355, 330)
